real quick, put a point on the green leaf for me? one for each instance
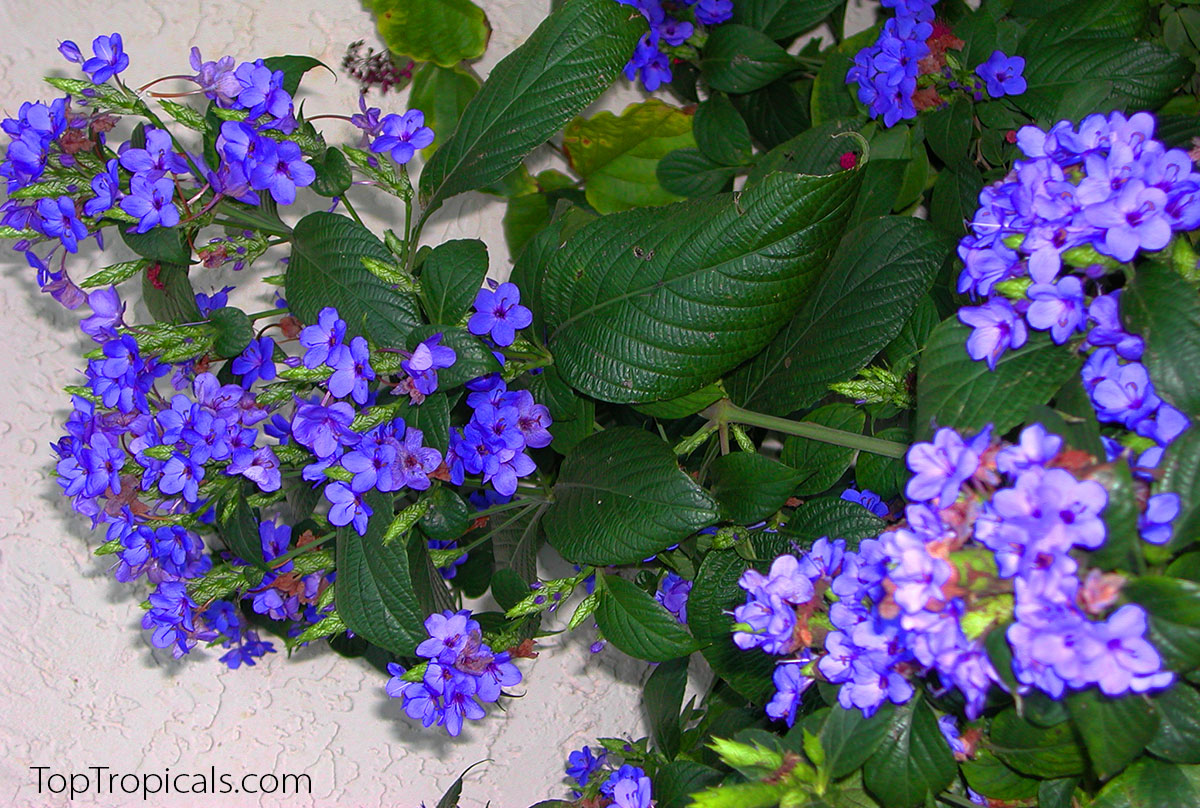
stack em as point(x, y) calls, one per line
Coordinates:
point(625, 295)
point(1164, 310)
point(1150, 783)
point(1181, 474)
point(333, 173)
point(572, 57)
point(775, 113)
point(955, 198)
point(448, 517)
point(818, 464)
point(714, 595)
point(1142, 74)
point(663, 697)
point(1087, 19)
point(442, 94)
point(1036, 751)
point(913, 762)
point(687, 172)
point(955, 390)
point(720, 131)
point(849, 739)
point(515, 547)
point(683, 406)
point(1057, 793)
point(750, 487)
point(739, 59)
point(239, 530)
point(234, 331)
point(783, 19)
point(160, 244)
point(1114, 731)
point(877, 275)
point(1178, 736)
point(1174, 608)
point(432, 417)
point(832, 97)
point(948, 131)
point(833, 517)
point(168, 294)
point(678, 780)
point(294, 68)
point(618, 155)
point(813, 151)
point(620, 497)
point(375, 594)
point(991, 778)
point(639, 625)
point(326, 270)
point(444, 32)
point(1122, 544)
point(451, 277)
point(884, 476)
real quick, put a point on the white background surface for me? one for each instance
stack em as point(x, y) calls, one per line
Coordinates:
point(80, 684)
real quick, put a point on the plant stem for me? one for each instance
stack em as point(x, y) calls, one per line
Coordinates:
point(350, 209)
point(268, 313)
point(312, 545)
point(725, 411)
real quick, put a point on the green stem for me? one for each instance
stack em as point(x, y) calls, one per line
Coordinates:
point(245, 219)
point(312, 545)
point(725, 411)
point(350, 209)
point(258, 315)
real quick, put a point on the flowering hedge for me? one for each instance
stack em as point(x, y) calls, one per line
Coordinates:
point(866, 376)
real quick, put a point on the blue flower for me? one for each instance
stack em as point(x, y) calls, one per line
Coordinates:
point(500, 314)
point(403, 135)
point(256, 362)
point(109, 59)
point(280, 169)
point(150, 202)
point(1002, 74)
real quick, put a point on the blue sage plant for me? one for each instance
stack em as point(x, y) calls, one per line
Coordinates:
point(856, 370)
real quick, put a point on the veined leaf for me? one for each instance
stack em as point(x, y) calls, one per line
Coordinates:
point(739, 59)
point(451, 277)
point(444, 32)
point(572, 57)
point(621, 497)
point(782, 19)
point(1164, 310)
point(655, 303)
point(873, 283)
point(442, 93)
point(914, 760)
point(639, 625)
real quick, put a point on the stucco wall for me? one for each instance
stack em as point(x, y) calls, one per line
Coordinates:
point(81, 685)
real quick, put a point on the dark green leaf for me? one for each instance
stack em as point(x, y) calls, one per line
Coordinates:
point(294, 68)
point(663, 697)
point(832, 97)
point(621, 497)
point(618, 155)
point(1174, 608)
point(879, 272)
point(955, 390)
point(689, 173)
point(776, 112)
point(720, 132)
point(948, 131)
point(625, 295)
point(1142, 74)
point(441, 31)
point(1178, 735)
point(913, 761)
point(677, 781)
point(884, 476)
point(1086, 19)
point(168, 294)
point(515, 546)
point(849, 739)
point(783, 19)
point(713, 597)
point(884, 188)
point(738, 59)
point(442, 93)
point(683, 406)
point(448, 516)
point(240, 533)
point(375, 594)
point(833, 517)
point(639, 625)
point(1121, 544)
point(326, 270)
point(1036, 751)
point(814, 151)
point(750, 487)
point(991, 778)
point(234, 331)
point(451, 277)
point(1164, 310)
point(165, 244)
point(1181, 475)
point(473, 357)
point(913, 335)
point(955, 198)
point(1150, 783)
point(427, 583)
point(1057, 793)
point(432, 417)
point(819, 465)
point(333, 173)
point(1114, 731)
point(570, 59)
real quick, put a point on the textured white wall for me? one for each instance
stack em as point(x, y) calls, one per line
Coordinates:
point(81, 684)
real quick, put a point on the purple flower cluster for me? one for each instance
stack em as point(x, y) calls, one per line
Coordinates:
point(461, 672)
point(504, 423)
point(1106, 188)
point(886, 72)
point(868, 499)
point(581, 765)
point(402, 136)
point(628, 787)
point(672, 593)
point(650, 57)
point(902, 604)
point(108, 57)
